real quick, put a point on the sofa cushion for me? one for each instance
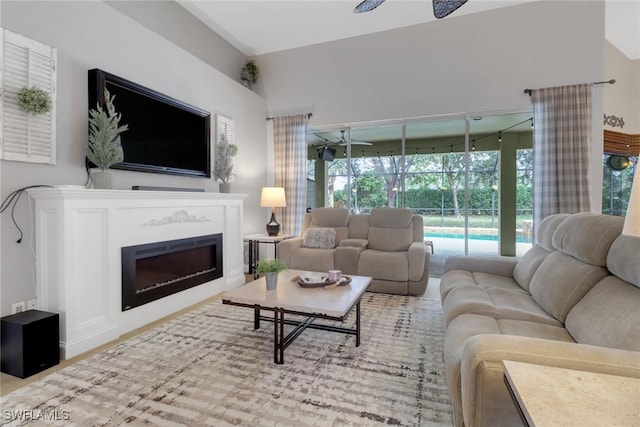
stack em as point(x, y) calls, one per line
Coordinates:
point(546, 228)
point(588, 236)
point(390, 217)
point(391, 229)
point(383, 265)
point(336, 218)
point(495, 303)
point(358, 243)
point(330, 217)
point(561, 281)
point(608, 316)
point(528, 265)
point(312, 259)
point(359, 226)
point(623, 259)
point(319, 237)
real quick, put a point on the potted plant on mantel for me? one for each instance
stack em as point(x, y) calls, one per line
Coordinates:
point(223, 165)
point(104, 148)
point(270, 268)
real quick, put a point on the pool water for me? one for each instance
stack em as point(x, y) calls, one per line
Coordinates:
point(487, 237)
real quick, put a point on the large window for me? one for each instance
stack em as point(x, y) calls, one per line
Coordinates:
point(469, 177)
point(617, 172)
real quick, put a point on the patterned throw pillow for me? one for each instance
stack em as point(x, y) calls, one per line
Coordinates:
point(320, 238)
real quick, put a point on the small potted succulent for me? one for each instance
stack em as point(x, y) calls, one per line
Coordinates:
point(270, 268)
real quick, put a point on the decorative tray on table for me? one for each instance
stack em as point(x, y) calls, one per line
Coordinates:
point(318, 281)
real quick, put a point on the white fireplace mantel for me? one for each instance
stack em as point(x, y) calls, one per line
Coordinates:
point(79, 234)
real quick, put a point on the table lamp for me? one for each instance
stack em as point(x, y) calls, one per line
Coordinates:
point(273, 197)
point(632, 219)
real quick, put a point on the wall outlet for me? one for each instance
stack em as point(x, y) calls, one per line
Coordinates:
point(32, 304)
point(17, 307)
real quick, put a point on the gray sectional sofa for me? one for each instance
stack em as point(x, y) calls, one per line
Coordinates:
point(387, 244)
point(573, 301)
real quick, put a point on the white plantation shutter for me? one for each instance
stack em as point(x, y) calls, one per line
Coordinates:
point(24, 62)
point(225, 127)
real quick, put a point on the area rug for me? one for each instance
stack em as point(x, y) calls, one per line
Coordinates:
point(210, 368)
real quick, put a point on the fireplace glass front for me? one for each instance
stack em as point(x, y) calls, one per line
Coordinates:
point(156, 270)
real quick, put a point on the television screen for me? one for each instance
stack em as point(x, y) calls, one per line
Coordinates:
point(327, 154)
point(164, 136)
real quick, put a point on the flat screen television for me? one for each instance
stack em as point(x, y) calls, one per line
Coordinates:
point(164, 136)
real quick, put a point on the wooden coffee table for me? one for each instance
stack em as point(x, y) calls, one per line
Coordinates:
point(292, 299)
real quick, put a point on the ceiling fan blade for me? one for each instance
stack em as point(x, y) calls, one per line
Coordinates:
point(442, 8)
point(354, 142)
point(367, 5)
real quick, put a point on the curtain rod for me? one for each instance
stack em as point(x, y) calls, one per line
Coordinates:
point(272, 117)
point(612, 81)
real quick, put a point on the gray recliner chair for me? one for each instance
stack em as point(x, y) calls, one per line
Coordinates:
point(386, 245)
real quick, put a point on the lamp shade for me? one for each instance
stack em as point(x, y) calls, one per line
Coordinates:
point(273, 197)
point(632, 220)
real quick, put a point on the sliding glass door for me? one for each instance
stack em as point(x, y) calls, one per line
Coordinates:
point(469, 177)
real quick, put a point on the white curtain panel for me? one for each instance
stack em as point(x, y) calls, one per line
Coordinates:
point(290, 145)
point(561, 140)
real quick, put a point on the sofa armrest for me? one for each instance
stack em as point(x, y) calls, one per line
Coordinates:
point(501, 266)
point(359, 243)
point(416, 256)
point(286, 248)
point(485, 398)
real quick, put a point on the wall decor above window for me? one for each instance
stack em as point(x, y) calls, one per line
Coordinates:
point(28, 99)
point(614, 121)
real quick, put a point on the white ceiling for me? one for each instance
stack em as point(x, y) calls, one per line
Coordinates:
point(262, 26)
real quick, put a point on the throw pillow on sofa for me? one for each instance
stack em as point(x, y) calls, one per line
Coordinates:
point(319, 238)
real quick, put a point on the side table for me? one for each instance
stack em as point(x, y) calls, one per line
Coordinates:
point(548, 396)
point(254, 241)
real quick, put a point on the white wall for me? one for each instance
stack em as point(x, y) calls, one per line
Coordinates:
point(95, 35)
point(472, 63)
point(623, 98)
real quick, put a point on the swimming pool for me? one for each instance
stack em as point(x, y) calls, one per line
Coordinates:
point(486, 237)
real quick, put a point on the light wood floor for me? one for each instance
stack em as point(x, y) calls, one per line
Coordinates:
point(9, 383)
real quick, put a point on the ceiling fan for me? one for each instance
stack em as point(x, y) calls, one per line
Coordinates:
point(441, 8)
point(342, 141)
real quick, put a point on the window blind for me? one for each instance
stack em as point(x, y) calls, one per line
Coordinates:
point(24, 62)
point(225, 127)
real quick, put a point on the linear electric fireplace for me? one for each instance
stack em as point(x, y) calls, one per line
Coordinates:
point(156, 270)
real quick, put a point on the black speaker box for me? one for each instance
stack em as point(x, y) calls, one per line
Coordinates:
point(30, 342)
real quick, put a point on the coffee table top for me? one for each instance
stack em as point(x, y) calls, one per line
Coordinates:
point(290, 296)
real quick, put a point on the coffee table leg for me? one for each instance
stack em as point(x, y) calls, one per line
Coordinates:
point(358, 324)
point(256, 317)
point(278, 336)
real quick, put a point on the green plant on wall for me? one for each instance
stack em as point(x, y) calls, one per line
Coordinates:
point(250, 72)
point(34, 100)
point(223, 165)
point(104, 148)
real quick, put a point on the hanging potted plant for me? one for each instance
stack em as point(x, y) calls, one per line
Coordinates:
point(34, 100)
point(250, 73)
point(104, 148)
point(223, 165)
point(270, 268)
